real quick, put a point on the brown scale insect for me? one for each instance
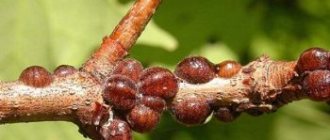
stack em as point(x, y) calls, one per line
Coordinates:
point(143, 119)
point(36, 76)
point(120, 92)
point(116, 130)
point(191, 110)
point(156, 81)
point(225, 114)
point(227, 69)
point(129, 67)
point(195, 70)
point(64, 70)
point(156, 103)
point(313, 59)
point(317, 85)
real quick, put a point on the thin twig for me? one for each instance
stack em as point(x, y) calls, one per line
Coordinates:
point(124, 36)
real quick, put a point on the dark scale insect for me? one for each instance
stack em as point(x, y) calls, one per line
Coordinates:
point(313, 59)
point(64, 70)
point(36, 76)
point(317, 85)
point(195, 70)
point(142, 118)
point(129, 67)
point(160, 82)
point(225, 114)
point(156, 103)
point(116, 130)
point(191, 110)
point(120, 91)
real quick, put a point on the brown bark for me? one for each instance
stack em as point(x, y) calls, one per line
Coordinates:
point(65, 99)
point(260, 84)
point(116, 46)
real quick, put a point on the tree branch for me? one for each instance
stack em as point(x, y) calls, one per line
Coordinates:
point(64, 100)
point(73, 97)
point(263, 80)
point(123, 37)
point(83, 97)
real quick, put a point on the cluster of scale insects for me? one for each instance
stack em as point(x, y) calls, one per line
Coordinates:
point(136, 97)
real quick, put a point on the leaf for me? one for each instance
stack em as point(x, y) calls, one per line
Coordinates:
point(302, 121)
point(157, 37)
point(217, 52)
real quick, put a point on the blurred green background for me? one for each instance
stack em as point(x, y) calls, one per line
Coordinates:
point(54, 32)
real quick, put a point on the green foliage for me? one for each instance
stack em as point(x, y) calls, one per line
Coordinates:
point(53, 32)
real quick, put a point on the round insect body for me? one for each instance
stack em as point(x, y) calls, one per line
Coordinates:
point(225, 114)
point(228, 69)
point(191, 110)
point(195, 70)
point(156, 81)
point(129, 67)
point(317, 85)
point(120, 91)
point(36, 76)
point(143, 119)
point(116, 130)
point(156, 103)
point(313, 59)
point(64, 70)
